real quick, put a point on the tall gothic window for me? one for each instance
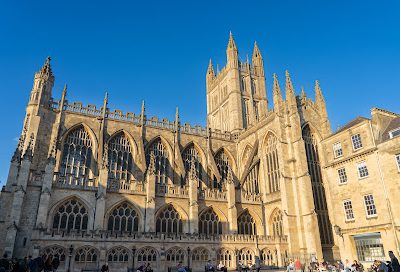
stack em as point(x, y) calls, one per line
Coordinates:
point(118, 255)
point(246, 256)
point(77, 154)
point(246, 224)
point(191, 153)
point(277, 224)
point(209, 223)
point(314, 169)
point(225, 256)
point(161, 157)
point(251, 183)
point(169, 221)
point(223, 164)
point(266, 256)
point(71, 215)
point(272, 164)
point(120, 158)
point(124, 218)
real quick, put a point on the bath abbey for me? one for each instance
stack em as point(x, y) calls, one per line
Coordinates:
point(267, 179)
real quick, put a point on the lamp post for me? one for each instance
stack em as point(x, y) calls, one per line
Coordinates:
point(133, 257)
point(70, 250)
point(188, 257)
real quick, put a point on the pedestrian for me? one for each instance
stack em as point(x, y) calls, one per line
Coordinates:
point(257, 264)
point(105, 268)
point(394, 262)
point(297, 265)
point(55, 263)
point(48, 267)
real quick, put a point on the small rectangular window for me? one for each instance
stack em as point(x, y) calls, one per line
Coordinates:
point(370, 207)
point(348, 210)
point(398, 161)
point(337, 150)
point(356, 140)
point(342, 175)
point(394, 133)
point(362, 170)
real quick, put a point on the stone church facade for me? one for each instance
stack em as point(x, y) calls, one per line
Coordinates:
point(92, 185)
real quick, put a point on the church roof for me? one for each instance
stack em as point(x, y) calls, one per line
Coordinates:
point(352, 123)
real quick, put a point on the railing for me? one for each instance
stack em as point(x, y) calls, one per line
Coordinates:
point(250, 197)
point(164, 123)
point(72, 181)
point(123, 186)
point(129, 116)
point(212, 194)
point(172, 190)
point(197, 130)
point(79, 108)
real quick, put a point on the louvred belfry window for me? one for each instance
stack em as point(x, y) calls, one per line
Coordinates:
point(77, 153)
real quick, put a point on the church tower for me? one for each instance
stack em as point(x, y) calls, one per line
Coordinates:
point(236, 95)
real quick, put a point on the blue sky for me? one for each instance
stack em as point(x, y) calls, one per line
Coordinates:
point(159, 51)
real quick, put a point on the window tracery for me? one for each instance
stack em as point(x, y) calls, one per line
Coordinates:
point(118, 255)
point(277, 224)
point(189, 154)
point(225, 256)
point(224, 165)
point(200, 254)
point(246, 224)
point(124, 218)
point(175, 255)
point(55, 251)
point(86, 254)
point(251, 184)
point(147, 254)
point(120, 158)
point(71, 215)
point(209, 223)
point(161, 161)
point(273, 174)
point(169, 221)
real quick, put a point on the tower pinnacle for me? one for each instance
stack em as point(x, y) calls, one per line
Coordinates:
point(231, 43)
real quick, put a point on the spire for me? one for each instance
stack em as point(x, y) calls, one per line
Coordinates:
point(231, 43)
point(277, 96)
point(289, 85)
point(277, 89)
point(256, 52)
point(290, 95)
point(210, 70)
point(303, 93)
point(319, 99)
point(46, 69)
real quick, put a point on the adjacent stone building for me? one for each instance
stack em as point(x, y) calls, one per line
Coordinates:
point(92, 185)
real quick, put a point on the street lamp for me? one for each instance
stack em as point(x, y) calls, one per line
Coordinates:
point(133, 257)
point(70, 250)
point(188, 255)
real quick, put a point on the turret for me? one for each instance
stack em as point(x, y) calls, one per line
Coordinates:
point(257, 61)
point(290, 95)
point(210, 76)
point(232, 54)
point(42, 85)
point(321, 106)
point(277, 95)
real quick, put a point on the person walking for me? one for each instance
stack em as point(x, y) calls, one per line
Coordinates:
point(5, 263)
point(394, 262)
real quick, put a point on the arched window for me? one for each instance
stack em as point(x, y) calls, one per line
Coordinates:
point(120, 158)
point(77, 154)
point(124, 218)
point(272, 164)
point(54, 251)
point(189, 154)
point(86, 254)
point(169, 221)
point(223, 164)
point(246, 256)
point(246, 224)
point(147, 254)
point(314, 169)
point(118, 255)
point(200, 254)
point(267, 257)
point(209, 223)
point(175, 255)
point(161, 160)
point(251, 184)
point(71, 215)
point(277, 224)
point(225, 256)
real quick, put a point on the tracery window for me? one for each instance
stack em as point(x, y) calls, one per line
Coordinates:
point(161, 160)
point(169, 221)
point(314, 169)
point(124, 218)
point(251, 184)
point(246, 256)
point(86, 254)
point(118, 255)
point(200, 254)
point(277, 224)
point(267, 257)
point(189, 154)
point(77, 154)
point(209, 223)
point(71, 215)
point(223, 164)
point(120, 158)
point(147, 254)
point(225, 256)
point(246, 224)
point(55, 251)
point(272, 164)
point(175, 255)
